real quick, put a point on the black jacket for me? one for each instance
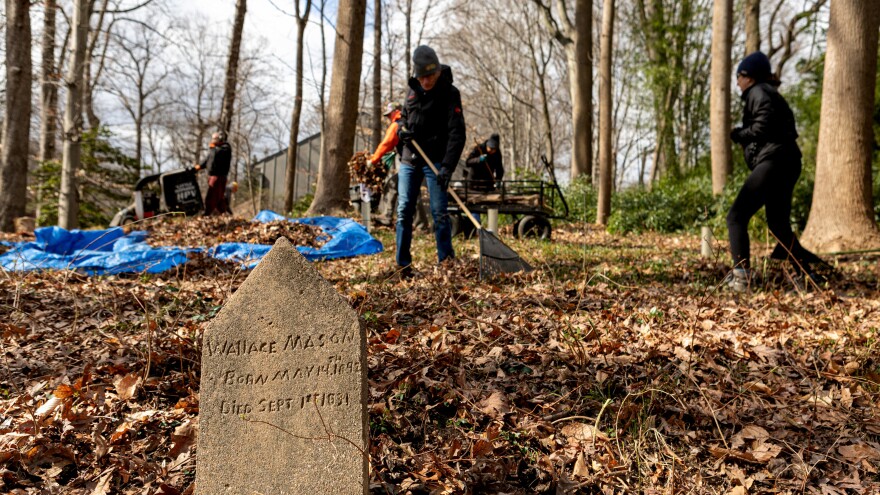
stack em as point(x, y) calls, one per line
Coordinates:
point(768, 131)
point(485, 173)
point(218, 160)
point(436, 119)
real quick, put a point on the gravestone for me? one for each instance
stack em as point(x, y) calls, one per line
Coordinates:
point(282, 407)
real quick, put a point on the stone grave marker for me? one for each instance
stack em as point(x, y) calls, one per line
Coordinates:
point(282, 407)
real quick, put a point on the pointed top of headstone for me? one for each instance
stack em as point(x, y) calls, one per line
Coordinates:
point(283, 387)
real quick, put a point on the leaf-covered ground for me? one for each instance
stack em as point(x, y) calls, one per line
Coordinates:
point(618, 366)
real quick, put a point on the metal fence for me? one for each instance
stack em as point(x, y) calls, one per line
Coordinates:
point(274, 170)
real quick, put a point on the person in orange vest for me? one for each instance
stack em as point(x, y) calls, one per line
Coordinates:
point(385, 152)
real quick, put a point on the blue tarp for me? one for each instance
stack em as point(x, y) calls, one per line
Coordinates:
point(112, 251)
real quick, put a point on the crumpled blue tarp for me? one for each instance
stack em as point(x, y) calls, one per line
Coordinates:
point(110, 251)
point(92, 251)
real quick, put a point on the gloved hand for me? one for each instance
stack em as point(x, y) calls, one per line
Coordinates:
point(443, 178)
point(735, 135)
point(405, 135)
point(482, 158)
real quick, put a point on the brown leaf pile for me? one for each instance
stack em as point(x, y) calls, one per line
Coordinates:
point(210, 231)
point(617, 367)
point(364, 172)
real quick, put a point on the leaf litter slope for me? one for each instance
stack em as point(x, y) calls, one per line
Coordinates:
point(614, 368)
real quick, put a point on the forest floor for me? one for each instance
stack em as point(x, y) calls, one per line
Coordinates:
point(617, 366)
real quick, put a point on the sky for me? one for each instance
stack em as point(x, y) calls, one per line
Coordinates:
point(273, 21)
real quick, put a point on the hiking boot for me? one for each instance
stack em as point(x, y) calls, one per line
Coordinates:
point(406, 273)
point(739, 280)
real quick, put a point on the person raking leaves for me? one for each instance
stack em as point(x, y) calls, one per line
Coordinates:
point(432, 116)
point(486, 165)
point(768, 139)
point(217, 163)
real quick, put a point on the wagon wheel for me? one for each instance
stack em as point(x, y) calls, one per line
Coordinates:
point(534, 226)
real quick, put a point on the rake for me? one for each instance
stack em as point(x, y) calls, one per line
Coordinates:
point(495, 256)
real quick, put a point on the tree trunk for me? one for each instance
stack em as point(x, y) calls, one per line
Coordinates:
point(89, 82)
point(16, 127)
point(331, 195)
point(48, 84)
point(232, 67)
point(377, 73)
point(580, 73)
point(753, 24)
point(407, 15)
point(290, 176)
point(606, 169)
point(842, 217)
point(68, 201)
point(719, 102)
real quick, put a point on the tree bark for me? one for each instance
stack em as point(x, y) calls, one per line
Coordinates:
point(606, 168)
point(89, 82)
point(377, 73)
point(753, 24)
point(290, 176)
point(407, 15)
point(228, 109)
point(842, 217)
point(48, 84)
point(331, 194)
point(580, 70)
point(16, 127)
point(719, 102)
point(68, 201)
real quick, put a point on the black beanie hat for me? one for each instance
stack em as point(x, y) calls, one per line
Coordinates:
point(425, 61)
point(756, 66)
point(493, 141)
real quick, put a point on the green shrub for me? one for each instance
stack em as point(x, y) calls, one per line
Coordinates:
point(105, 182)
point(582, 198)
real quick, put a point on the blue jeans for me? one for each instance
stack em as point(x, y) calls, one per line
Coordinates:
point(409, 181)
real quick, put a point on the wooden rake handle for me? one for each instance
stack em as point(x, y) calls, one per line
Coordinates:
point(451, 191)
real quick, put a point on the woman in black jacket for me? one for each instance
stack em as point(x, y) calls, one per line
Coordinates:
point(768, 138)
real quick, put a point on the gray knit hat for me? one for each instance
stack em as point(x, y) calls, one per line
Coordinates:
point(425, 61)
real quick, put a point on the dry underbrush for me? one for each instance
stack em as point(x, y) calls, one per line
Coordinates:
point(616, 367)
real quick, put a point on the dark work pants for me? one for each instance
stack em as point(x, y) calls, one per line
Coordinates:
point(215, 199)
point(771, 185)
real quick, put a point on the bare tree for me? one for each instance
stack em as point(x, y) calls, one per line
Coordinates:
point(722, 32)
point(16, 127)
point(228, 108)
point(576, 38)
point(68, 201)
point(136, 82)
point(331, 194)
point(606, 158)
point(781, 36)
point(841, 217)
point(377, 73)
point(753, 25)
point(302, 20)
point(48, 83)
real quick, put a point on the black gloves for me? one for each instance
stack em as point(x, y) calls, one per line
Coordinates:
point(405, 135)
point(443, 178)
point(735, 135)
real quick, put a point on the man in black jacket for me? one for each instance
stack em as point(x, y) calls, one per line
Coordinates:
point(486, 165)
point(767, 137)
point(432, 117)
point(217, 163)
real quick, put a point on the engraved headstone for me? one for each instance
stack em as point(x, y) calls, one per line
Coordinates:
point(282, 407)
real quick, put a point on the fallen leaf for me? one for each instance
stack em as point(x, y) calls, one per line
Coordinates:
point(126, 386)
point(495, 405)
